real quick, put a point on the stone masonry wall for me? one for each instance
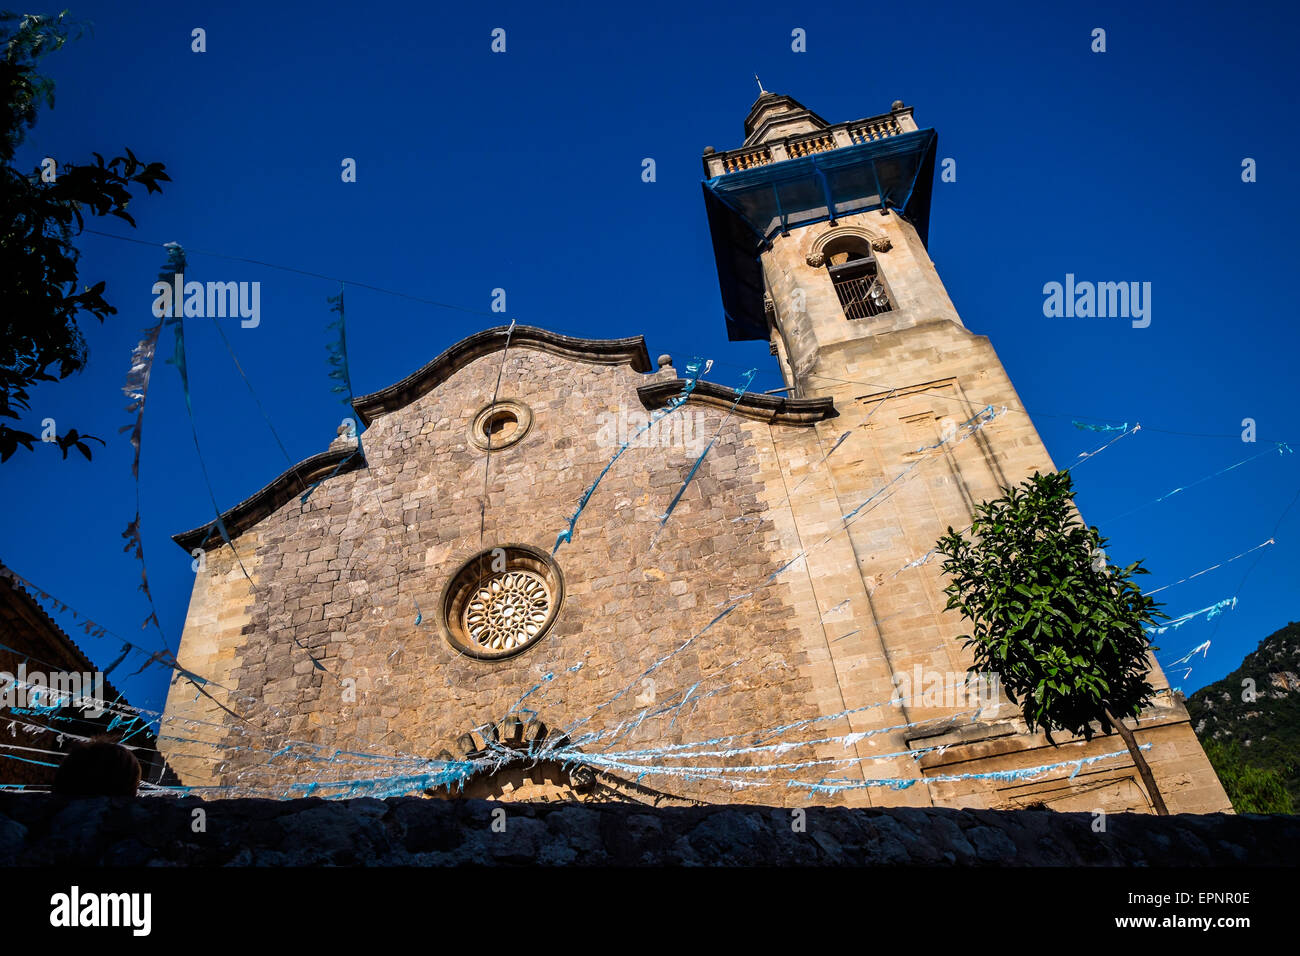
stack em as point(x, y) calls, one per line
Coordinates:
point(39, 830)
point(342, 580)
point(903, 382)
point(340, 583)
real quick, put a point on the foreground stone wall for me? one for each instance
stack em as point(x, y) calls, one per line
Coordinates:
point(39, 830)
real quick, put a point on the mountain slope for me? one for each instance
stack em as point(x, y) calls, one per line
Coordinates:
point(1257, 707)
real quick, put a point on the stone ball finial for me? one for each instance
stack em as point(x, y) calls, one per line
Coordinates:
point(665, 360)
point(898, 105)
point(709, 150)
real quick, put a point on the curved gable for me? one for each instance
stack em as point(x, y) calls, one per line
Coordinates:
point(627, 351)
point(271, 497)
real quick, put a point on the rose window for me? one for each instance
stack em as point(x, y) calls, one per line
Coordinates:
point(508, 611)
point(502, 601)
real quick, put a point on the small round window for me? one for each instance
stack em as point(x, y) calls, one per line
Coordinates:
point(500, 424)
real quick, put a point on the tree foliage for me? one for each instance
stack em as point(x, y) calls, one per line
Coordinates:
point(1064, 631)
point(40, 305)
point(1251, 789)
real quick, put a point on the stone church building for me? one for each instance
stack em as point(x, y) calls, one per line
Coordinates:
point(417, 596)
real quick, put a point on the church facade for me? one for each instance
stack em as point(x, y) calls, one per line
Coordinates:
point(418, 603)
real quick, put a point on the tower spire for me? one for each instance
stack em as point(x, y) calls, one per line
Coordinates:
point(761, 91)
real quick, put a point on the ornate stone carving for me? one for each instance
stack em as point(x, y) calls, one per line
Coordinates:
point(769, 307)
point(508, 611)
point(517, 768)
point(501, 602)
point(835, 238)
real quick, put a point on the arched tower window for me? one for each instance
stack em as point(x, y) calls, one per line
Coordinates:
point(853, 271)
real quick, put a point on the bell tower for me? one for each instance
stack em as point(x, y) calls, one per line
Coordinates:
point(819, 231)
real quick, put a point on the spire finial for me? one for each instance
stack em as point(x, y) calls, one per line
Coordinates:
point(761, 91)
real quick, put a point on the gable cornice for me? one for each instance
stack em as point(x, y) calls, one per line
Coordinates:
point(776, 409)
point(269, 499)
point(629, 351)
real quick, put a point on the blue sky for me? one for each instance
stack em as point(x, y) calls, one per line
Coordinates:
point(522, 171)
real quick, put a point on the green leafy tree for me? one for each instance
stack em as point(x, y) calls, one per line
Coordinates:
point(1065, 632)
point(41, 213)
point(1251, 789)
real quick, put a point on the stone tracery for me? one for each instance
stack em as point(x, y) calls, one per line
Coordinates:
point(508, 611)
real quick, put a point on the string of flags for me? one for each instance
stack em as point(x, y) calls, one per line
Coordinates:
point(337, 351)
point(1211, 612)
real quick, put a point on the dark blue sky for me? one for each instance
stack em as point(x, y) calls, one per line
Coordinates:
point(523, 171)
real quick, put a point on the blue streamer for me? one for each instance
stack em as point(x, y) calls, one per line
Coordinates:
point(1211, 612)
point(176, 260)
point(740, 393)
point(137, 389)
point(693, 374)
point(1280, 447)
point(337, 352)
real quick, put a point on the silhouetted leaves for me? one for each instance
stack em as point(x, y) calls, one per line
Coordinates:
point(74, 440)
point(40, 340)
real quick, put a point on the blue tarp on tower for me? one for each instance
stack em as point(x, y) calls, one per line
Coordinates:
point(748, 208)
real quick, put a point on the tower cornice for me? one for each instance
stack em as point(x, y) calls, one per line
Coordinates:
point(775, 409)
